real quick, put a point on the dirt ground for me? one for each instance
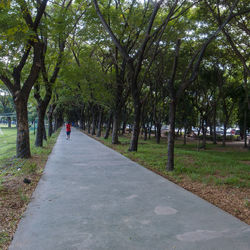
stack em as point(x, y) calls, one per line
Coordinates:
point(14, 198)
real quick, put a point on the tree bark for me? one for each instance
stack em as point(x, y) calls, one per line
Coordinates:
point(9, 122)
point(170, 161)
point(214, 124)
point(82, 118)
point(145, 132)
point(158, 132)
point(116, 126)
point(58, 120)
point(136, 128)
point(40, 125)
point(22, 142)
point(99, 131)
point(44, 132)
point(106, 136)
point(245, 128)
point(50, 118)
point(89, 127)
point(204, 133)
point(124, 127)
point(93, 121)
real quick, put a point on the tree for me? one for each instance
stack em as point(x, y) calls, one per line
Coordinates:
point(17, 70)
point(59, 27)
point(136, 45)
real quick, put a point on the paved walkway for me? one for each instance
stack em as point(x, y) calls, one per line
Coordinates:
point(91, 197)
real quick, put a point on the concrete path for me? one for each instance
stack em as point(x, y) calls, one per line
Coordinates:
point(91, 197)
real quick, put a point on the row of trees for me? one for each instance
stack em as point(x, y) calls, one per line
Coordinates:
point(178, 62)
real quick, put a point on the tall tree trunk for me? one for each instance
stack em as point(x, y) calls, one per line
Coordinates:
point(93, 120)
point(136, 127)
point(50, 118)
point(88, 119)
point(41, 109)
point(145, 132)
point(58, 120)
point(44, 132)
point(158, 132)
point(82, 123)
point(214, 125)
point(204, 133)
point(99, 132)
point(22, 142)
point(124, 127)
point(106, 136)
point(82, 119)
point(50, 121)
point(116, 126)
point(170, 161)
point(245, 128)
point(89, 126)
point(9, 122)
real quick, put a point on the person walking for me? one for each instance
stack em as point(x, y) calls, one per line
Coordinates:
point(68, 130)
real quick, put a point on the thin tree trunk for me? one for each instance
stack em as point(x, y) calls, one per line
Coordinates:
point(99, 132)
point(89, 126)
point(158, 133)
point(170, 161)
point(50, 119)
point(108, 126)
point(245, 128)
point(214, 125)
point(22, 142)
point(204, 132)
point(145, 132)
point(136, 127)
point(59, 121)
point(9, 122)
point(44, 132)
point(116, 125)
point(93, 120)
point(40, 125)
point(124, 127)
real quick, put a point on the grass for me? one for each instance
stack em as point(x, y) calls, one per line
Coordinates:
point(14, 193)
point(7, 142)
point(9, 164)
point(211, 166)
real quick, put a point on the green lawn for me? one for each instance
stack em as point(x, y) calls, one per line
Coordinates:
point(7, 142)
point(215, 165)
point(8, 162)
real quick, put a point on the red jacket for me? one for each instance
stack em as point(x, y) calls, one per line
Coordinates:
point(68, 127)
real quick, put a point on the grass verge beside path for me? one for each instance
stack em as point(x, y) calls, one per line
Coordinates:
point(14, 193)
point(218, 174)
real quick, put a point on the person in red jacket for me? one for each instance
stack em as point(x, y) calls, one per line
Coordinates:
point(68, 130)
